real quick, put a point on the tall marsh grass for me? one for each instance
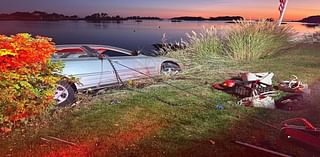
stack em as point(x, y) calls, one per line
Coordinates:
point(249, 40)
point(244, 41)
point(206, 43)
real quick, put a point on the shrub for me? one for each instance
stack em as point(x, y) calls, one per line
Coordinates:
point(249, 40)
point(27, 81)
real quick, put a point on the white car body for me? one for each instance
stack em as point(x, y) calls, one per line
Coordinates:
point(94, 72)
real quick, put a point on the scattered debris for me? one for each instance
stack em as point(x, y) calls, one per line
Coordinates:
point(101, 92)
point(44, 139)
point(262, 149)
point(293, 86)
point(291, 102)
point(264, 100)
point(76, 103)
point(219, 107)
point(256, 90)
point(305, 133)
point(61, 140)
point(212, 142)
point(115, 102)
point(247, 84)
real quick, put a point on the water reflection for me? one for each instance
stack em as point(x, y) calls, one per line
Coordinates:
point(311, 25)
point(304, 27)
point(127, 34)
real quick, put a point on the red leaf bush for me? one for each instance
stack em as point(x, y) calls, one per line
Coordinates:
point(27, 79)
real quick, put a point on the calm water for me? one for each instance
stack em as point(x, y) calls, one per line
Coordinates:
point(128, 34)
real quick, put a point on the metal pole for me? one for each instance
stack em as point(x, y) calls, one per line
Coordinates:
point(283, 12)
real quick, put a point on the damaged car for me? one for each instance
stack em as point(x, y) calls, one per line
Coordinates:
point(102, 66)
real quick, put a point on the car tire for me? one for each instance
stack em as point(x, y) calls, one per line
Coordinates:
point(170, 69)
point(64, 94)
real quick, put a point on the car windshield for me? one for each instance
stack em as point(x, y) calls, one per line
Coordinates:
point(72, 53)
point(113, 53)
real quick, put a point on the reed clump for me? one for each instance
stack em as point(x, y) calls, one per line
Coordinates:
point(243, 41)
point(250, 40)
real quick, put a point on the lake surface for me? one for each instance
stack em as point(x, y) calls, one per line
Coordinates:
point(127, 34)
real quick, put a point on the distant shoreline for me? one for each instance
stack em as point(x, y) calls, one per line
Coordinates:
point(104, 17)
point(138, 21)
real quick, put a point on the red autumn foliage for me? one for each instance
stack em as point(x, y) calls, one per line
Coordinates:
point(27, 79)
point(25, 52)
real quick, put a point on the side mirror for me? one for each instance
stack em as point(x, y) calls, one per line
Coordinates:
point(102, 56)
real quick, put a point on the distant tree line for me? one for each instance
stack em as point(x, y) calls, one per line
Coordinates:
point(143, 18)
point(43, 16)
point(311, 19)
point(105, 16)
point(219, 18)
point(36, 15)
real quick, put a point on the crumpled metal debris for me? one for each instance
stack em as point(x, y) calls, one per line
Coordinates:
point(115, 102)
point(302, 131)
point(263, 100)
point(293, 86)
point(246, 83)
point(256, 90)
point(291, 102)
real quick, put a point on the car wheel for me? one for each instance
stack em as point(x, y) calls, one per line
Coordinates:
point(64, 94)
point(170, 69)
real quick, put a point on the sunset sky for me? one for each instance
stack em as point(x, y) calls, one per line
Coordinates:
point(251, 9)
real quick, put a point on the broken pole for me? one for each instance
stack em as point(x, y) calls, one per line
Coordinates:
point(262, 149)
point(61, 140)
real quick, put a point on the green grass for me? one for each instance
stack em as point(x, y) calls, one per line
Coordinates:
point(180, 119)
point(301, 60)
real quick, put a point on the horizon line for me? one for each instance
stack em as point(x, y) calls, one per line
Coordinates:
point(207, 17)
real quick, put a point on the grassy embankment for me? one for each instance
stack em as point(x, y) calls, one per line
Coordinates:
point(160, 120)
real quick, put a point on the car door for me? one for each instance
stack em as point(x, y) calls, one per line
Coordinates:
point(131, 67)
point(78, 64)
point(108, 76)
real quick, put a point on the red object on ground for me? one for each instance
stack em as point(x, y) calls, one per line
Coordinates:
point(226, 83)
point(229, 83)
point(306, 133)
point(217, 86)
